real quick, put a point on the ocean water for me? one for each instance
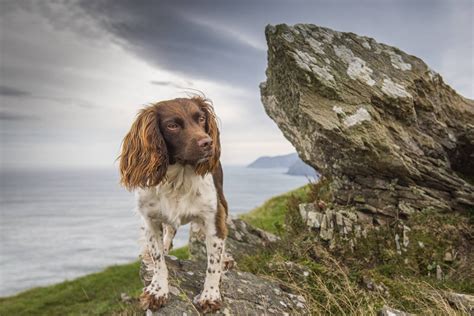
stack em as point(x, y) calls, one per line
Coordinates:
point(62, 224)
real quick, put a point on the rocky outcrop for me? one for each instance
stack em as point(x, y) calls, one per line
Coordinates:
point(391, 135)
point(243, 293)
point(242, 239)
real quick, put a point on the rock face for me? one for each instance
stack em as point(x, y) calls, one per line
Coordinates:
point(392, 136)
point(243, 292)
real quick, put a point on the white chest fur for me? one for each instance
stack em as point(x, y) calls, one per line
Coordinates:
point(181, 198)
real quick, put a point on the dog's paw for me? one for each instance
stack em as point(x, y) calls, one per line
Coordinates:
point(228, 262)
point(208, 303)
point(153, 300)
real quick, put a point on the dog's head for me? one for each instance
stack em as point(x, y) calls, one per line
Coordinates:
point(175, 131)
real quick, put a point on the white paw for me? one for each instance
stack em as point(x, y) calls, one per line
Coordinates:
point(154, 297)
point(209, 300)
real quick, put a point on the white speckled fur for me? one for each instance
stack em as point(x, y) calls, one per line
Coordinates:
point(181, 198)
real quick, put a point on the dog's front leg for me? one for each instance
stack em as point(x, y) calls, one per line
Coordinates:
point(156, 293)
point(210, 298)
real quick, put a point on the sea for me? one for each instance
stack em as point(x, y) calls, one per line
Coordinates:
point(57, 225)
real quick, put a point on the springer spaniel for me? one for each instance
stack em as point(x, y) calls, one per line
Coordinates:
point(170, 157)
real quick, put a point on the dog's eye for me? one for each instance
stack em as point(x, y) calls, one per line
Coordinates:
point(172, 126)
point(202, 119)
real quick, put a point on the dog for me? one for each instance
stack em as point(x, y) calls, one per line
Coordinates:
point(171, 159)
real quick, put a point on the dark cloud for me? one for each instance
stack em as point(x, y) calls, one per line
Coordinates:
point(6, 91)
point(184, 85)
point(223, 40)
point(13, 92)
point(167, 35)
point(10, 116)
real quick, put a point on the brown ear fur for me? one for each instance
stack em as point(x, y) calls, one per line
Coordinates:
point(213, 131)
point(144, 157)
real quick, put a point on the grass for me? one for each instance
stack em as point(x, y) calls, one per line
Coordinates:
point(271, 215)
point(94, 294)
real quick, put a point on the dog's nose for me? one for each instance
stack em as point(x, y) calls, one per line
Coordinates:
point(205, 142)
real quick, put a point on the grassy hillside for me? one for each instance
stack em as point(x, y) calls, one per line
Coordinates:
point(94, 294)
point(271, 215)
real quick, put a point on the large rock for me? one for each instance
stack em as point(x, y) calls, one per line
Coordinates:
point(390, 133)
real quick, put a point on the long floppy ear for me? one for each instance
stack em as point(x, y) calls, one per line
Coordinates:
point(144, 157)
point(213, 132)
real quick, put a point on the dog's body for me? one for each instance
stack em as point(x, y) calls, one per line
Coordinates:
point(171, 157)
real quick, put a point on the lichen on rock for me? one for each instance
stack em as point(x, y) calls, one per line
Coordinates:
point(393, 137)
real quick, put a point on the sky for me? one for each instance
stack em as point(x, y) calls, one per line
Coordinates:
point(73, 74)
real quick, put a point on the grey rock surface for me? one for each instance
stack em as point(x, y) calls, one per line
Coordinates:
point(243, 293)
point(392, 136)
point(242, 239)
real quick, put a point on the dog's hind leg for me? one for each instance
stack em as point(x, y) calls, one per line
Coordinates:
point(169, 233)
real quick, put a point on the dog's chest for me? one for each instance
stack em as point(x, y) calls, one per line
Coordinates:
point(183, 197)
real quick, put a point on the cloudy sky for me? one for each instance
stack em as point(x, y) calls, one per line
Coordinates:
point(74, 73)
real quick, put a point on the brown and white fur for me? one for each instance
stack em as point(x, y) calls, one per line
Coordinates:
point(170, 157)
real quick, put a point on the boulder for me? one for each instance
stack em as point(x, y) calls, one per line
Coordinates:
point(382, 125)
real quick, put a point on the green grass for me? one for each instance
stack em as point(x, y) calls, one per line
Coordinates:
point(271, 215)
point(94, 294)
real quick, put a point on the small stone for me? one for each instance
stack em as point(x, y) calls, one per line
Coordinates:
point(388, 311)
point(174, 290)
point(190, 272)
point(397, 243)
point(448, 257)
point(125, 298)
point(277, 291)
point(439, 272)
point(283, 304)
